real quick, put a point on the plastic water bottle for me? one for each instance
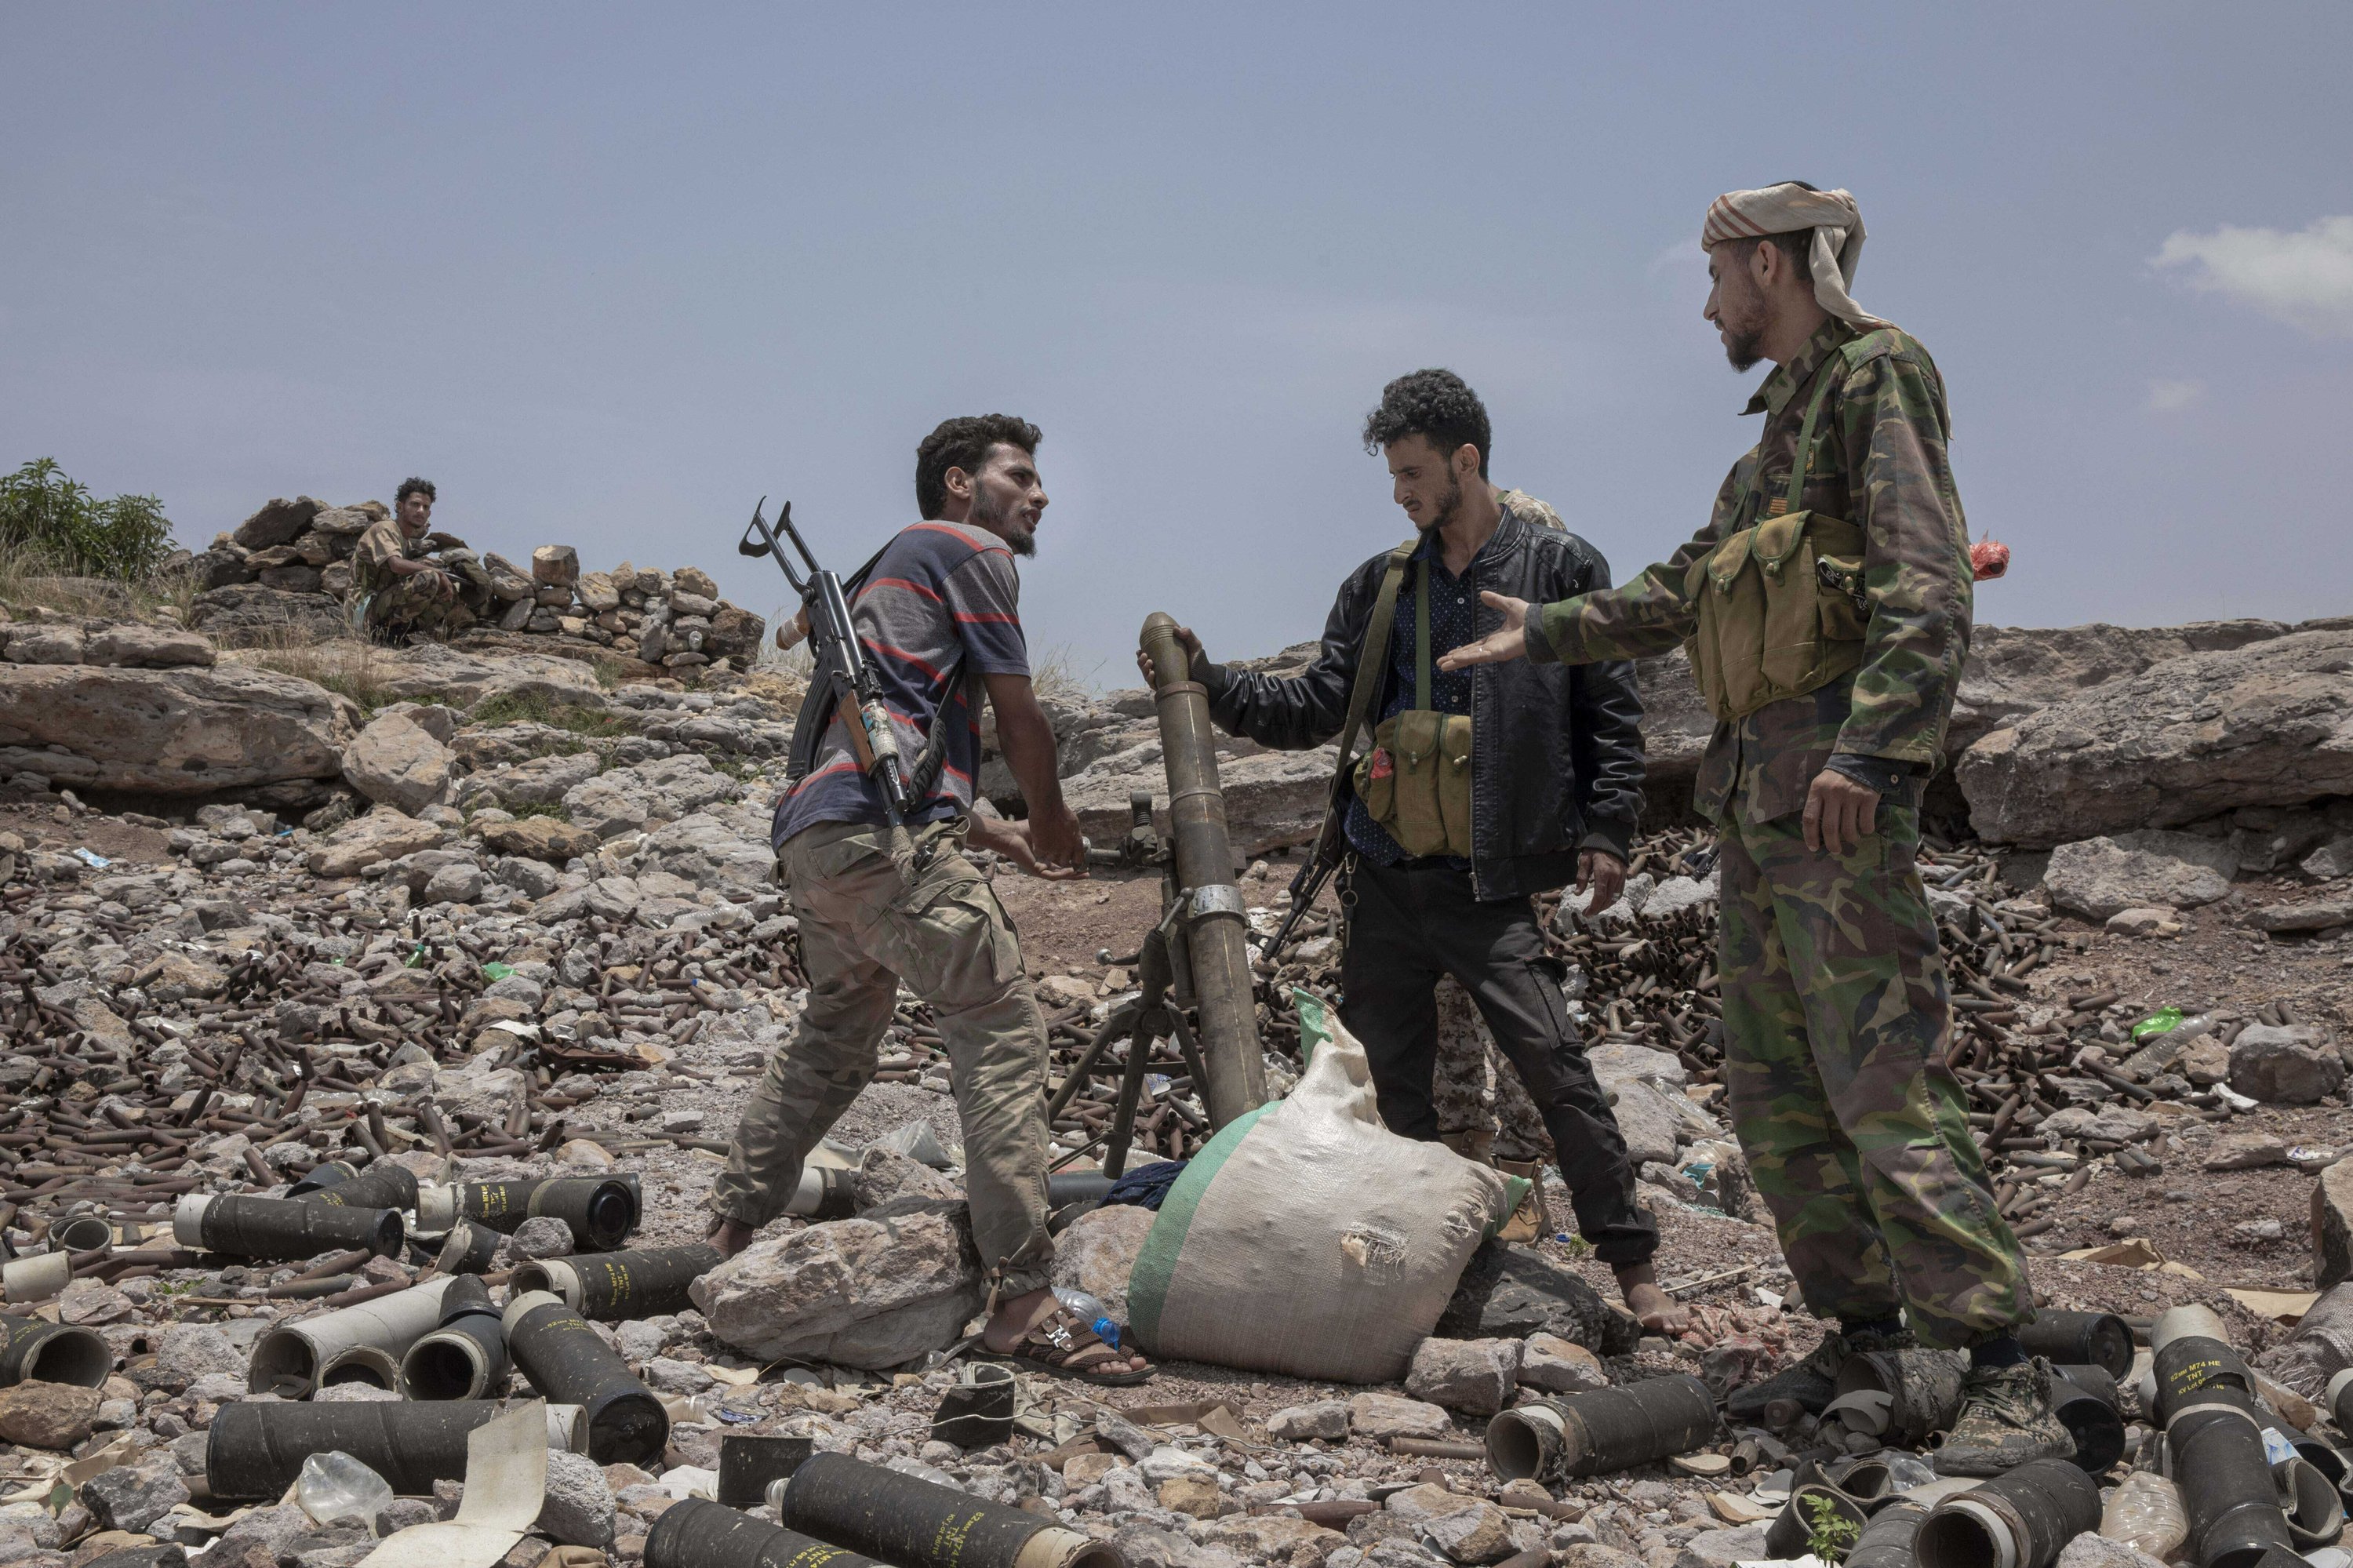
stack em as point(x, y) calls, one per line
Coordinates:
point(1089, 1310)
point(336, 1486)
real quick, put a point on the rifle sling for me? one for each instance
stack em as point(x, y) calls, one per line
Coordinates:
point(1372, 672)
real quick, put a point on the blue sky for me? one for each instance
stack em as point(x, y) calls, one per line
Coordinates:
point(609, 274)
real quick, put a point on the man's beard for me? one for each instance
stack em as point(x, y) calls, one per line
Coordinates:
point(1018, 538)
point(1742, 348)
point(1448, 505)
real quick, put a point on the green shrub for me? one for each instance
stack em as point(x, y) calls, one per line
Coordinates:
point(125, 537)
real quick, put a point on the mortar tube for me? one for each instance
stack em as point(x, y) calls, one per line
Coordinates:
point(2020, 1520)
point(466, 1357)
point(2085, 1399)
point(601, 1211)
point(823, 1192)
point(568, 1361)
point(1603, 1430)
point(914, 1524)
point(2080, 1339)
point(696, 1533)
point(276, 1229)
point(1887, 1542)
point(614, 1285)
point(254, 1450)
point(2215, 1455)
point(2316, 1514)
point(1217, 928)
point(36, 1278)
point(362, 1344)
point(385, 1186)
point(35, 1351)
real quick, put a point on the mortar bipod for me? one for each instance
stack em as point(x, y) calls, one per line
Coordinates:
point(1141, 1021)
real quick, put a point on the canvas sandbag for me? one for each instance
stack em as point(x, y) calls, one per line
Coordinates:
point(1306, 1238)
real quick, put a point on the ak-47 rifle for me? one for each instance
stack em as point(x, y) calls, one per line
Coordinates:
point(855, 689)
point(1307, 883)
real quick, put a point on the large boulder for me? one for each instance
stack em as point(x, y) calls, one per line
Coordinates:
point(540, 781)
point(1097, 1253)
point(278, 523)
point(1509, 1292)
point(2013, 671)
point(383, 833)
point(398, 761)
point(626, 799)
point(170, 732)
point(1478, 1376)
point(710, 850)
point(555, 566)
point(2284, 1066)
point(2103, 876)
point(133, 645)
point(2332, 1227)
point(246, 614)
point(868, 1292)
point(1272, 798)
point(540, 839)
point(2270, 724)
point(429, 670)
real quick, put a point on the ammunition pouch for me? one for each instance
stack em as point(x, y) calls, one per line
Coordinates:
point(1415, 781)
point(1781, 606)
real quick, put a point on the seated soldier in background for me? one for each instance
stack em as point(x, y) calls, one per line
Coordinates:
point(398, 592)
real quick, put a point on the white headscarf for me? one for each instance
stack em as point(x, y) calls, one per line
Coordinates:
point(1788, 209)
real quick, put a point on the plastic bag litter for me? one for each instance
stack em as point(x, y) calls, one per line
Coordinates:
point(336, 1486)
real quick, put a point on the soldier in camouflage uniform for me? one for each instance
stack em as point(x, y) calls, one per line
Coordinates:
point(398, 592)
point(1836, 1012)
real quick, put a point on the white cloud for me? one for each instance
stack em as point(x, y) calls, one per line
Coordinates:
point(2172, 396)
point(2305, 278)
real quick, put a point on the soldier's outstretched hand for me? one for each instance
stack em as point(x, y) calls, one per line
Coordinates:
point(1498, 647)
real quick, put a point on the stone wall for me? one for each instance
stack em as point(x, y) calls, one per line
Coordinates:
point(286, 572)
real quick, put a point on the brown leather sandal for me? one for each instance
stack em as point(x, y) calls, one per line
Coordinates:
point(1055, 1346)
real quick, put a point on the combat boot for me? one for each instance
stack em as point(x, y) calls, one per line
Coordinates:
point(1812, 1383)
point(2008, 1418)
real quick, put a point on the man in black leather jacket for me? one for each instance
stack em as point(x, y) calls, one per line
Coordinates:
point(1557, 775)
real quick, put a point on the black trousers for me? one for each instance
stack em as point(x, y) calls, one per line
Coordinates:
point(1409, 925)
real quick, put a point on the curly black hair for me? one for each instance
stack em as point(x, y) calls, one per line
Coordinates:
point(1433, 403)
point(414, 486)
point(963, 443)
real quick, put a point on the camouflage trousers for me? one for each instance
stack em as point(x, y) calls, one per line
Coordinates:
point(1484, 1110)
point(863, 930)
point(405, 605)
point(1837, 1018)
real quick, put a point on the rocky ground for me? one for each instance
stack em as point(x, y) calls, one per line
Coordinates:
point(518, 924)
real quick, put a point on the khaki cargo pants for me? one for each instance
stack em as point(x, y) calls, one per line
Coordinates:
point(863, 930)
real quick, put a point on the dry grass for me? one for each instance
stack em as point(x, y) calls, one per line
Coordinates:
point(1056, 675)
point(345, 665)
point(31, 577)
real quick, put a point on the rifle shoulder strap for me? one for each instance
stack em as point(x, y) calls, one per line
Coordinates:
point(1372, 667)
point(926, 771)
